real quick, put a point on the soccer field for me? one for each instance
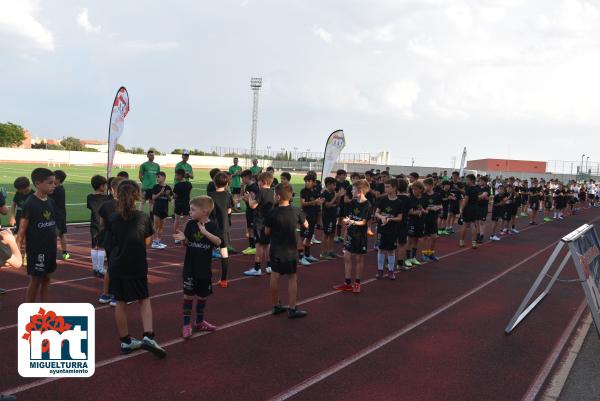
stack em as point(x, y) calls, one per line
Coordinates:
point(77, 184)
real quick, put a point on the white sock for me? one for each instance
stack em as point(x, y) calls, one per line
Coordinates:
point(94, 254)
point(391, 262)
point(100, 258)
point(380, 260)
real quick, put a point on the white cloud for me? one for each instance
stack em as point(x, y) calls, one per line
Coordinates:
point(401, 96)
point(83, 20)
point(17, 18)
point(146, 46)
point(323, 34)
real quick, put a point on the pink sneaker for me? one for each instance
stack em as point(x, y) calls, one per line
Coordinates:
point(205, 326)
point(187, 331)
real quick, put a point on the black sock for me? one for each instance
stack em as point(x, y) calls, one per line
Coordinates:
point(300, 254)
point(200, 305)
point(348, 281)
point(65, 251)
point(307, 250)
point(513, 226)
point(408, 254)
point(252, 242)
point(338, 230)
point(400, 262)
point(126, 339)
point(269, 263)
point(224, 268)
point(414, 253)
point(149, 334)
point(256, 265)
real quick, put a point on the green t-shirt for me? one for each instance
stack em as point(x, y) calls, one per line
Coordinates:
point(185, 166)
point(235, 179)
point(256, 169)
point(148, 170)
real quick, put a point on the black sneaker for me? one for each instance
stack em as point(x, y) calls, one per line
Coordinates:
point(8, 397)
point(296, 313)
point(279, 309)
point(2, 291)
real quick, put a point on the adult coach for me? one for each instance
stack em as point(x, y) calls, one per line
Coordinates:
point(236, 185)
point(147, 175)
point(184, 165)
point(256, 169)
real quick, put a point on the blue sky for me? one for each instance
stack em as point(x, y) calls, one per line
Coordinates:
point(420, 78)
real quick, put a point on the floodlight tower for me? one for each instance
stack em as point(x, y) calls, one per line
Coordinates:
point(255, 85)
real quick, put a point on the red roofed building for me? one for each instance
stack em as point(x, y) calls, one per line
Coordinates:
point(505, 165)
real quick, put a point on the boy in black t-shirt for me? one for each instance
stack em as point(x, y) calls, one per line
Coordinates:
point(161, 196)
point(181, 195)
point(22, 193)
point(446, 195)
point(311, 203)
point(535, 193)
point(223, 204)
point(331, 199)
point(201, 236)
point(485, 191)
point(402, 226)
point(345, 188)
point(498, 210)
point(389, 213)
point(250, 187)
point(59, 197)
point(457, 192)
point(210, 187)
point(38, 229)
point(433, 205)
point(470, 212)
point(281, 225)
point(262, 205)
point(359, 213)
point(94, 202)
point(108, 207)
point(416, 211)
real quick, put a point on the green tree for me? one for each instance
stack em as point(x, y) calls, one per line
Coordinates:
point(137, 151)
point(121, 148)
point(153, 149)
point(177, 151)
point(71, 143)
point(11, 135)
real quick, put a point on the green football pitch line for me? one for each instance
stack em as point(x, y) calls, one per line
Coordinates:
point(77, 185)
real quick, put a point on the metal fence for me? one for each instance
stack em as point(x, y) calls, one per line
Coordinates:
point(295, 154)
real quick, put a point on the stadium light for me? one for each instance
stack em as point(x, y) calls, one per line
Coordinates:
point(255, 85)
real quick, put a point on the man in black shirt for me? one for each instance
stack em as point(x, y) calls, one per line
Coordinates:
point(181, 194)
point(38, 231)
point(59, 197)
point(281, 225)
point(262, 205)
point(251, 188)
point(201, 236)
point(311, 203)
point(470, 212)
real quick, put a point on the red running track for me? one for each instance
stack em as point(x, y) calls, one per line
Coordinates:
point(436, 333)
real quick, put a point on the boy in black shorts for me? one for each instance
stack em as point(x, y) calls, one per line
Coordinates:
point(456, 194)
point(535, 193)
point(469, 211)
point(416, 211)
point(331, 199)
point(22, 193)
point(498, 211)
point(433, 205)
point(161, 196)
point(403, 197)
point(359, 213)
point(223, 204)
point(262, 205)
point(511, 208)
point(346, 198)
point(181, 196)
point(250, 187)
point(311, 203)
point(201, 236)
point(485, 191)
point(446, 194)
point(210, 187)
point(38, 229)
point(280, 226)
point(59, 197)
point(389, 213)
point(93, 202)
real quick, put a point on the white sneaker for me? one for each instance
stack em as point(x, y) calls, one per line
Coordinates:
point(155, 245)
point(304, 262)
point(514, 231)
point(268, 270)
point(253, 272)
point(561, 217)
point(311, 259)
point(161, 245)
point(177, 242)
point(314, 240)
point(494, 238)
